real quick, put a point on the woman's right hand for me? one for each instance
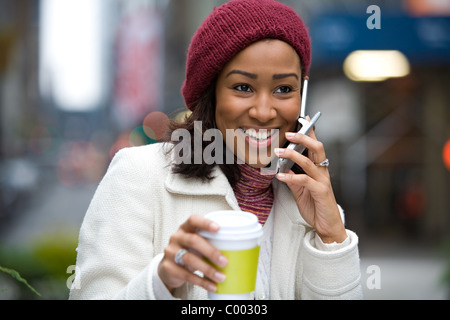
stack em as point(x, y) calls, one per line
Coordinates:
point(175, 275)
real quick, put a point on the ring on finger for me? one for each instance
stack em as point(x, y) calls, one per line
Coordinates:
point(179, 257)
point(324, 163)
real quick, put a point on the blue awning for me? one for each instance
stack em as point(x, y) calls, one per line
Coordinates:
point(424, 40)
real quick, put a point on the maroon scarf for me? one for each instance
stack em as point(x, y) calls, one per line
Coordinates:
point(254, 192)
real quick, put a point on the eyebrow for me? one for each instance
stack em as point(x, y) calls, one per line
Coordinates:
point(284, 75)
point(247, 74)
point(255, 76)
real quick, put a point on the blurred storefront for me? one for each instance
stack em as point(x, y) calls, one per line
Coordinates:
point(391, 170)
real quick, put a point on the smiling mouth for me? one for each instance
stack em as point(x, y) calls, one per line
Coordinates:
point(260, 135)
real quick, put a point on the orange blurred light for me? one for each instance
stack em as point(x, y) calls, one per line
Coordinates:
point(421, 8)
point(446, 154)
point(156, 125)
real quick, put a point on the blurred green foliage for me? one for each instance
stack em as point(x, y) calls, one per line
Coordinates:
point(16, 275)
point(43, 263)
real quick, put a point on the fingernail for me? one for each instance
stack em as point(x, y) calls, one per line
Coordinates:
point(222, 261)
point(290, 134)
point(219, 277)
point(279, 151)
point(212, 287)
point(214, 226)
point(281, 176)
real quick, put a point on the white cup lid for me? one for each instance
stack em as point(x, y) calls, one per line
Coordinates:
point(234, 225)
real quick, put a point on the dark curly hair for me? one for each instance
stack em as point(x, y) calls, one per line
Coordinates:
point(204, 111)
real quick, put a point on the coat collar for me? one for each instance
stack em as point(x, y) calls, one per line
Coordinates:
point(218, 186)
point(284, 203)
point(177, 183)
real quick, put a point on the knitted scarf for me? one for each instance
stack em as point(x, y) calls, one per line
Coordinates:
point(254, 192)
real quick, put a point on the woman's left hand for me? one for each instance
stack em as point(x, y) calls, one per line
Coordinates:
point(312, 191)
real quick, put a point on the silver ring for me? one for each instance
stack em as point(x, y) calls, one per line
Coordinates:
point(179, 257)
point(324, 163)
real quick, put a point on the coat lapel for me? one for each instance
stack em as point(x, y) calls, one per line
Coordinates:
point(289, 231)
point(219, 186)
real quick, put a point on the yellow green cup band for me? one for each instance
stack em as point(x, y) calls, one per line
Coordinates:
point(240, 271)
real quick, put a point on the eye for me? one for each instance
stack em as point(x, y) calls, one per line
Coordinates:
point(283, 89)
point(243, 88)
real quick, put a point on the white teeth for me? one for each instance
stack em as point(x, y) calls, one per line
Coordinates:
point(259, 135)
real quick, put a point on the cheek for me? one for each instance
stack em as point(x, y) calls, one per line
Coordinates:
point(227, 112)
point(290, 113)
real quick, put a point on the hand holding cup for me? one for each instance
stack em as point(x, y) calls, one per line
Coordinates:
point(194, 247)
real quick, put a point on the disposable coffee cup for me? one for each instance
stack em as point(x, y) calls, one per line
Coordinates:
point(238, 239)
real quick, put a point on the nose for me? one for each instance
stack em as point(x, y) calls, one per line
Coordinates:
point(263, 109)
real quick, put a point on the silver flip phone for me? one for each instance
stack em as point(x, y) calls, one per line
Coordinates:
point(284, 165)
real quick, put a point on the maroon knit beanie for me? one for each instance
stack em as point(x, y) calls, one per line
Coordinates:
point(234, 26)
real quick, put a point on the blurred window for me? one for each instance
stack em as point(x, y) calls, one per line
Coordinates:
point(71, 53)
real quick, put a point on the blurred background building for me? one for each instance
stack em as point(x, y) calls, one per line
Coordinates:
point(80, 79)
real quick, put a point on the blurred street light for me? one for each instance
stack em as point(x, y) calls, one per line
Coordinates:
point(376, 65)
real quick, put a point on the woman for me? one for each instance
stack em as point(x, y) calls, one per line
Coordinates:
point(245, 70)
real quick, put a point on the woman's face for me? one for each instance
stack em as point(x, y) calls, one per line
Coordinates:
point(258, 100)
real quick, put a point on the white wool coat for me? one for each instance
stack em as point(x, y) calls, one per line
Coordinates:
point(140, 203)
